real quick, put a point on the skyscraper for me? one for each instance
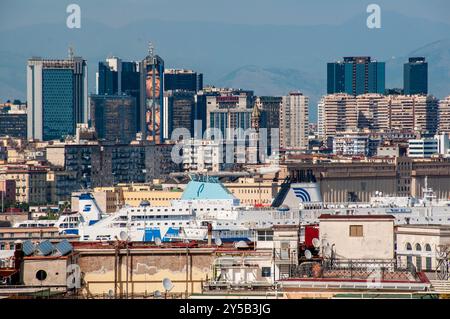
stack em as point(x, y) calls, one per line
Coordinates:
point(180, 79)
point(113, 117)
point(415, 76)
point(180, 111)
point(444, 115)
point(116, 77)
point(294, 120)
point(152, 97)
point(230, 110)
point(355, 76)
point(57, 97)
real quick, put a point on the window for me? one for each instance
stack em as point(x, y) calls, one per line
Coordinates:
point(356, 230)
point(265, 235)
point(265, 271)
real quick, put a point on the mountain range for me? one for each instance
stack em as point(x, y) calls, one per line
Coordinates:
point(271, 60)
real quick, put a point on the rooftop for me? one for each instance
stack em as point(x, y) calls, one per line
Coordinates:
point(375, 217)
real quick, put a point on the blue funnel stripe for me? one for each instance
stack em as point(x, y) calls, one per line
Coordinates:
point(302, 194)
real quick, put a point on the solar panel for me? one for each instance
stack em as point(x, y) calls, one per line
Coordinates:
point(28, 247)
point(63, 247)
point(45, 248)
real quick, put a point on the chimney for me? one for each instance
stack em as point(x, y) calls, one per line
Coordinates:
point(209, 234)
point(18, 262)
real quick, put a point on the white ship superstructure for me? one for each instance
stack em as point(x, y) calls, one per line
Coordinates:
point(206, 201)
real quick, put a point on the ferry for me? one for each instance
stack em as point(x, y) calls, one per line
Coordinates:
point(206, 202)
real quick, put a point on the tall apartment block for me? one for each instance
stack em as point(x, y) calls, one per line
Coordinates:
point(417, 113)
point(337, 113)
point(57, 97)
point(444, 115)
point(355, 76)
point(343, 112)
point(294, 119)
point(415, 76)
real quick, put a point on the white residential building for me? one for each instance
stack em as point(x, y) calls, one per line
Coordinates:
point(294, 120)
point(201, 155)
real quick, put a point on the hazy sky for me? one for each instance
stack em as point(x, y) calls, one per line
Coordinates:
point(15, 13)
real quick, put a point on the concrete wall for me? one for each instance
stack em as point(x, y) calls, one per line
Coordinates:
point(377, 241)
point(422, 235)
point(147, 270)
point(56, 270)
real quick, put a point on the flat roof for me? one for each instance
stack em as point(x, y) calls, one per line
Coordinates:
point(330, 216)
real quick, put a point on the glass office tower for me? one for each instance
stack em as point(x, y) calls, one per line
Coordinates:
point(415, 76)
point(355, 76)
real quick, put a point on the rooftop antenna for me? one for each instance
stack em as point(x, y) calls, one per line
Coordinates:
point(71, 52)
point(151, 50)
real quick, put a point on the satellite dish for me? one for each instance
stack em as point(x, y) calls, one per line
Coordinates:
point(157, 294)
point(123, 235)
point(316, 243)
point(111, 293)
point(324, 242)
point(218, 241)
point(157, 241)
point(240, 244)
point(327, 252)
point(167, 283)
point(308, 254)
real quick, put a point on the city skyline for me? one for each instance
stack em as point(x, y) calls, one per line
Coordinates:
point(263, 68)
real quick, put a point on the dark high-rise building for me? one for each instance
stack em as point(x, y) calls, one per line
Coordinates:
point(180, 111)
point(270, 116)
point(415, 76)
point(355, 76)
point(180, 79)
point(13, 123)
point(114, 117)
point(56, 96)
point(152, 113)
point(116, 77)
point(107, 79)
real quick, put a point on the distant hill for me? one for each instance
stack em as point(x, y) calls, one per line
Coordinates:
point(277, 82)
point(269, 59)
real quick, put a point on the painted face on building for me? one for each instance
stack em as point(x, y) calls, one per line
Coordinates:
point(149, 84)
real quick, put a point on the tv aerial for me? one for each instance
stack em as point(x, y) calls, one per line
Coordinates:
point(308, 254)
point(327, 252)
